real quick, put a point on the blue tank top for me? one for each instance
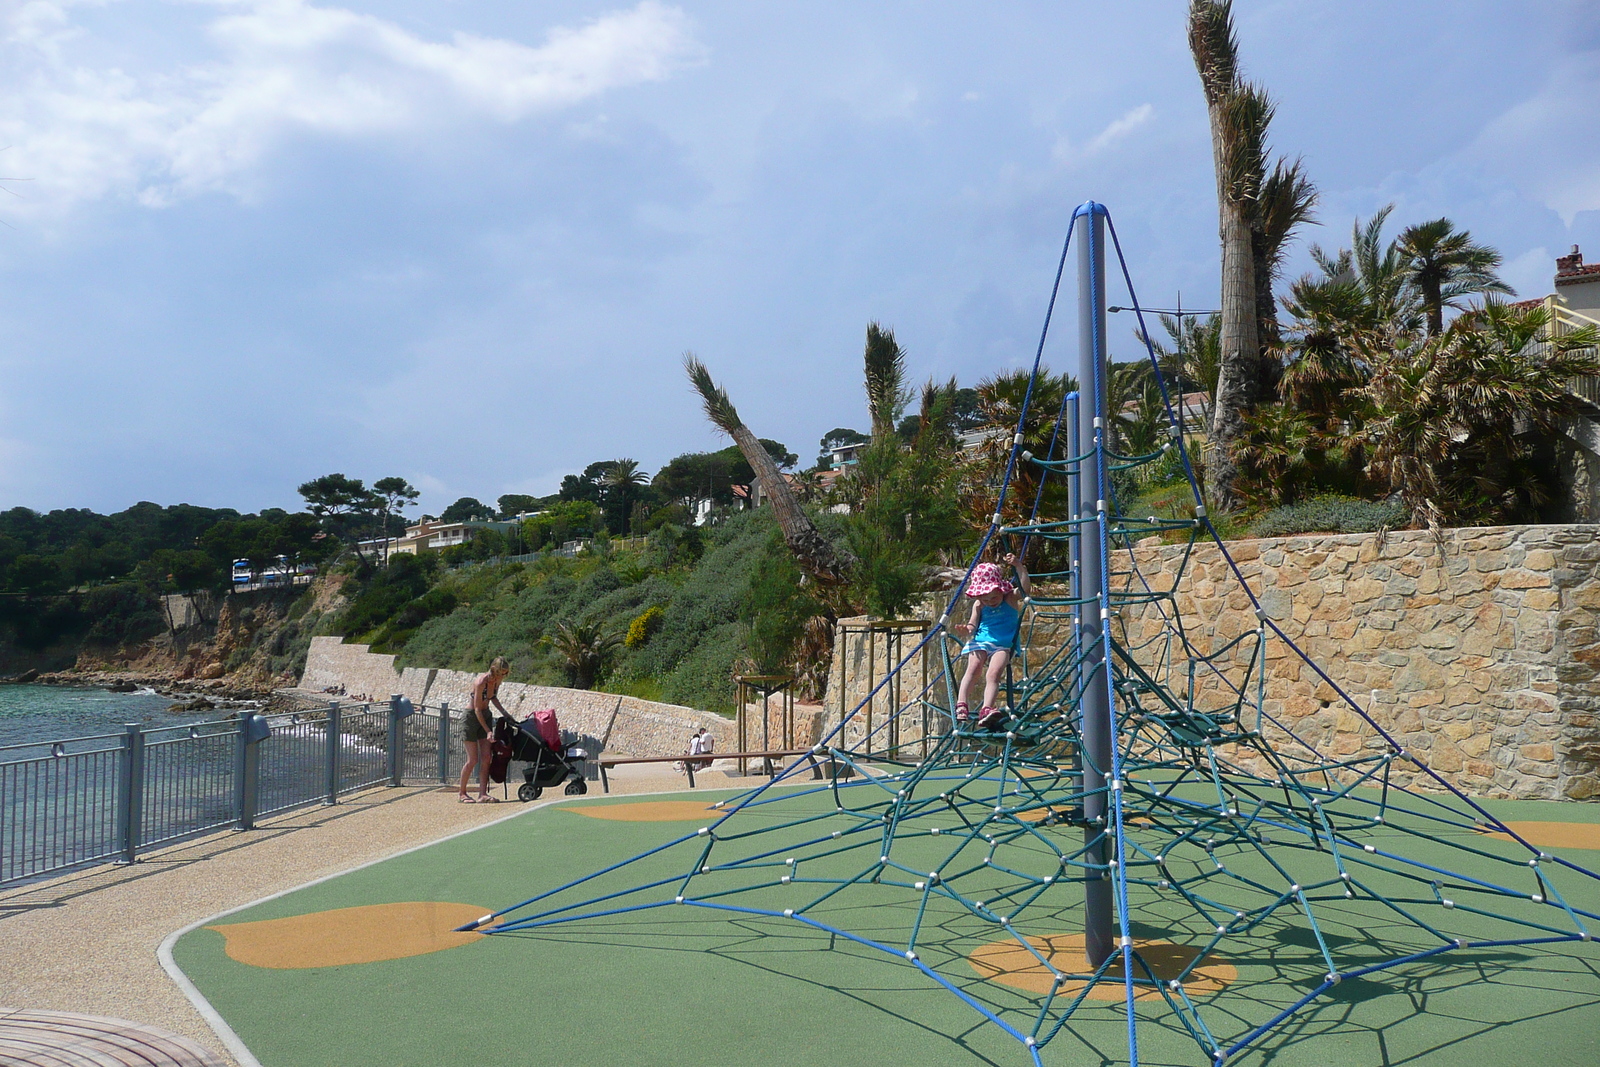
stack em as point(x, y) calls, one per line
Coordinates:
point(998, 625)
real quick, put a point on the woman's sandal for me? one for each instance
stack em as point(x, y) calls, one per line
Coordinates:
point(485, 798)
point(462, 798)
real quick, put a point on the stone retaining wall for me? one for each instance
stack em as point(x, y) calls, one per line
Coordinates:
point(1476, 648)
point(636, 727)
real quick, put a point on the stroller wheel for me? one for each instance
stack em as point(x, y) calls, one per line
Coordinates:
point(577, 787)
point(528, 791)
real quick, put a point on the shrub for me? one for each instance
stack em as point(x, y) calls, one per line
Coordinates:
point(1330, 514)
point(643, 626)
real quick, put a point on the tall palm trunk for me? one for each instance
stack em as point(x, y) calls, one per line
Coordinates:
point(1238, 117)
point(815, 554)
point(1240, 346)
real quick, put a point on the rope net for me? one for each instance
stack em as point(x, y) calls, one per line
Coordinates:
point(1250, 873)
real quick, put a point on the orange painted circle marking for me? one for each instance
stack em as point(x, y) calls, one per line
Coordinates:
point(1009, 963)
point(343, 936)
point(651, 811)
point(1555, 834)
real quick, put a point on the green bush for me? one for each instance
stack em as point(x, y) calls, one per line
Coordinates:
point(1329, 514)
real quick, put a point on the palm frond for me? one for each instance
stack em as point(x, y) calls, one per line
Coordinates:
point(1215, 47)
point(719, 409)
point(885, 363)
point(1246, 114)
point(1288, 201)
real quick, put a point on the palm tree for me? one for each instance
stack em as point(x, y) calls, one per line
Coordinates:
point(1288, 201)
point(584, 651)
point(818, 557)
point(620, 480)
point(1239, 114)
point(1444, 264)
point(1258, 213)
point(1443, 415)
point(887, 394)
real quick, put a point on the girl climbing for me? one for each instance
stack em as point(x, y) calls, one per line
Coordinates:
point(991, 633)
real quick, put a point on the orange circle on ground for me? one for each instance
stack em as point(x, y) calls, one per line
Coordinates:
point(1009, 963)
point(650, 811)
point(1555, 834)
point(342, 936)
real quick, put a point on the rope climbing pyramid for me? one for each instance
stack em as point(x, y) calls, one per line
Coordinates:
point(1141, 841)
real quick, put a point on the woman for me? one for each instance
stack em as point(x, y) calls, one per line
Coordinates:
point(479, 727)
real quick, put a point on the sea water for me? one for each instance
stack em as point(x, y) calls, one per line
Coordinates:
point(45, 713)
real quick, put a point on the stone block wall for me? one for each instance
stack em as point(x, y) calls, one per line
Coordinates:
point(1477, 649)
point(636, 727)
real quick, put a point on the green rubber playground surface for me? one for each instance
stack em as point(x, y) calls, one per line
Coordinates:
point(687, 985)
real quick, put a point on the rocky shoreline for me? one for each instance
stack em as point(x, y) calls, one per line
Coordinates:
point(188, 694)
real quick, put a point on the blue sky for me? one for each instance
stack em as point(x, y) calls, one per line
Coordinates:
point(255, 241)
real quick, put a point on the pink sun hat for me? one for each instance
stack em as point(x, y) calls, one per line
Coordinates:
point(987, 578)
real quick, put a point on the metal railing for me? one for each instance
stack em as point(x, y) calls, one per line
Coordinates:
point(84, 800)
point(1563, 321)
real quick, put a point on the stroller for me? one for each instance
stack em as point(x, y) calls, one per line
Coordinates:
point(536, 741)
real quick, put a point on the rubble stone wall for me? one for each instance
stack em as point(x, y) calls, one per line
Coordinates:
point(1477, 649)
point(635, 727)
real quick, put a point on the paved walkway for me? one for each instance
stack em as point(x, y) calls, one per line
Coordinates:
point(87, 942)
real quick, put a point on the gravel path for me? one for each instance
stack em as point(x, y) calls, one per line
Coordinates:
point(87, 942)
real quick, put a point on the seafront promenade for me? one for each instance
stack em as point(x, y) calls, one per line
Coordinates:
point(87, 942)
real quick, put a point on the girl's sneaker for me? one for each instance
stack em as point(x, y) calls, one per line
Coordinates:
point(963, 713)
point(989, 718)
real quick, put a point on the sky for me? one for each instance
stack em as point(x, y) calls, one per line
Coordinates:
point(249, 242)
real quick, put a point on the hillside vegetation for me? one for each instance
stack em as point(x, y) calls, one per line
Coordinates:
point(672, 619)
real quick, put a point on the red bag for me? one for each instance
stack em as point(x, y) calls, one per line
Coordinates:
point(545, 725)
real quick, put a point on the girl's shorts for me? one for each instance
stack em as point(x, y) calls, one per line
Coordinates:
point(986, 648)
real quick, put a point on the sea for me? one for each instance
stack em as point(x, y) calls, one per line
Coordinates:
point(33, 714)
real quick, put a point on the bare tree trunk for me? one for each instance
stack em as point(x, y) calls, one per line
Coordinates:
point(816, 555)
point(1240, 350)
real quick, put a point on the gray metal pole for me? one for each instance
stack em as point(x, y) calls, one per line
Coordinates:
point(332, 763)
point(131, 802)
point(444, 743)
point(241, 759)
point(255, 728)
point(396, 759)
point(1099, 943)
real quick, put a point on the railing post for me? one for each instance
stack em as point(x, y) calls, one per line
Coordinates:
point(396, 759)
point(247, 768)
point(332, 761)
point(130, 805)
point(444, 743)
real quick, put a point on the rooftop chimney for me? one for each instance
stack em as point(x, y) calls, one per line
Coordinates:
point(1569, 264)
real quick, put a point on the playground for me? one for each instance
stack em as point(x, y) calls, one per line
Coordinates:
point(296, 979)
point(1134, 858)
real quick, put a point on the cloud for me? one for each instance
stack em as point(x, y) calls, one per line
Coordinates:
point(82, 128)
point(1531, 274)
point(1546, 144)
point(1119, 128)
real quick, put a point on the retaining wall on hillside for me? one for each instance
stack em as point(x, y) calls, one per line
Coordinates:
point(1478, 649)
point(636, 727)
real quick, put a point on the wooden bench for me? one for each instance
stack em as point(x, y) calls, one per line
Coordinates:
point(690, 761)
